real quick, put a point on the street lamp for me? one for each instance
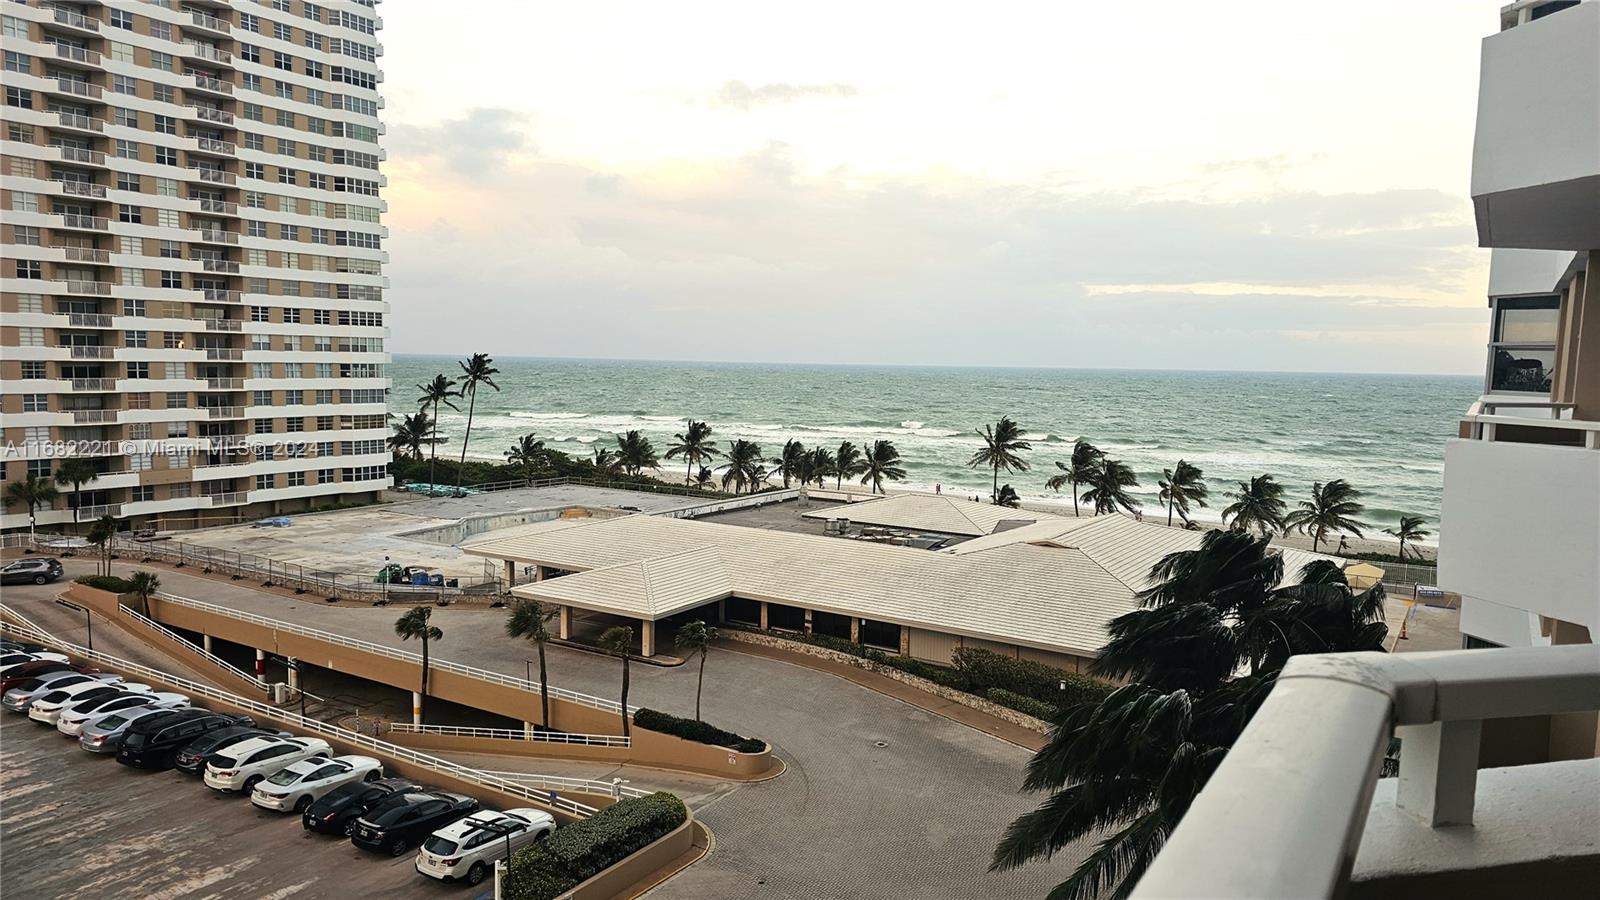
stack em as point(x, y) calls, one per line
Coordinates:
point(88, 619)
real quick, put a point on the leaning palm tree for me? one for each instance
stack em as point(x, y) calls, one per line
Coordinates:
point(531, 619)
point(1081, 470)
point(1258, 504)
point(636, 453)
point(618, 641)
point(411, 434)
point(881, 463)
point(76, 471)
point(33, 491)
point(1108, 488)
point(695, 446)
point(435, 392)
point(101, 533)
point(1181, 486)
point(788, 462)
point(744, 465)
point(477, 370)
point(1001, 443)
point(1007, 496)
point(697, 637)
point(530, 453)
point(847, 463)
point(1333, 507)
point(605, 461)
point(1409, 531)
point(817, 465)
point(415, 624)
point(144, 584)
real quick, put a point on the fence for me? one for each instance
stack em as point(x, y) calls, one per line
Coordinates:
point(511, 734)
point(616, 787)
point(1407, 573)
point(549, 798)
point(194, 649)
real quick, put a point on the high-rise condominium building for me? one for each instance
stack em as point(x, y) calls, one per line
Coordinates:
point(192, 283)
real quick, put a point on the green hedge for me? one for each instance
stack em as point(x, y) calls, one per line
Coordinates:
point(983, 670)
point(1036, 708)
point(106, 583)
point(695, 730)
point(585, 848)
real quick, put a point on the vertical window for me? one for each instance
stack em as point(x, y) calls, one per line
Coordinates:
point(1523, 347)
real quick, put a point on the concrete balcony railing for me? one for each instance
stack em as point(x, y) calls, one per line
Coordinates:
point(224, 325)
point(212, 145)
point(228, 353)
point(208, 114)
point(231, 498)
point(88, 320)
point(218, 236)
point(82, 189)
point(221, 207)
point(85, 254)
point(198, 50)
point(215, 176)
point(220, 265)
point(91, 352)
point(85, 223)
point(99, 288)
point(80, 155)
point(80, 122)
point(77, 88)
point(213, 85)
point(222, 295)
point(94, 416)
point(224, 384)
point(68, 19)
point(77, 55)
point(210, 23)
point(94, 384)
point(224, 412)
point(1285, 812)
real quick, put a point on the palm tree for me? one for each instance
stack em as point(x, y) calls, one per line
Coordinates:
point(695, 446)
point(1181, 486)
point(1085, 464)
point(143, 584)
point(636, 453)
point(1007, 496)
point(1001, 441)
point(415, 624)
point(605, 461)
point(33, 491)
point(788, 461)
point(1410, 530)
point(881, 463)
point(1333, 507)
point(847, 463)
point(817, 465)
point(1107, 489)
point(528, 452)
point(479, 369)
point(100, 535)
point(1198, 659)
point(411, 433)
point(531, 619)
point(76, 471)
point(1258, 503)
point(744, 465)
point(435, 392)
point(697, 637)
point(618, 641)
point(704, 477)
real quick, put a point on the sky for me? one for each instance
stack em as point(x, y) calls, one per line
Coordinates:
point(1252, 185)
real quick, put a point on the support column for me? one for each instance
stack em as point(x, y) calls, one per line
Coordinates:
point(905, 641)
point(511, 573)
point(855, 630)
point(722, 611)
point(261, 664)
point(647, 638)
point(416, 708)
point(205, 642)
point(538, 573)
point(763, 615)
point(1439, 771)
point(564, 624)
point(294, 676)
point(529, 730)
point(808, 621)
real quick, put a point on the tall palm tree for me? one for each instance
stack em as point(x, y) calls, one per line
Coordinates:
point(1108, 488)
point(1258, 504)
point(744, 465)
point(1085, 464)
point(1007, 496)
point(847, 463)
point(76, 471)
point(143, 584)
point(635, 452)
point(1182, 485)
point(695, 446)
point(788, 462)
point(697, 637)
point(817, 465)
point(435, 392)
point(1333, 507)
point(33, 491)
point(1410, 531)
point(881, 463)
point(605, 461)
point(531, 619)
point(477, 370)
point(1198, 660)
point(415, 625)
point(100, 536)
point(1001, 443)
point(411, 434)
point(530, 453)
point(618, 641)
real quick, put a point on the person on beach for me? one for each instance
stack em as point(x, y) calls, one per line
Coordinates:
point(938, 489)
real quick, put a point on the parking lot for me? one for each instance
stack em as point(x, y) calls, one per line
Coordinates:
point(80, 825)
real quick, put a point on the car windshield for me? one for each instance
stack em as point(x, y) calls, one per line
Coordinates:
point(391, 810)
point(111, 721)
point(284, 777)
point(439, 846)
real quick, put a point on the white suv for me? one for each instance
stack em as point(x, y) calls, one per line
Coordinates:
point(238, 767)
point(298, 786)
point(467, 849)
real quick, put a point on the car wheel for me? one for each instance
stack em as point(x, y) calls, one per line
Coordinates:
point(398, 848)
point(251, 782)
point(476, 873)
point(374, 775)
point(539, 838)
point(301, 805)
point(40, 579)
point(350, 828)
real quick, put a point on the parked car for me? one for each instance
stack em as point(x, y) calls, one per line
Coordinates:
point(404, 820)
point(104, 734)
point(14, 662)
point(37, 669)
point(18, 698)
point(31, 571)
point(73, 718)
point(298, 785)
point(153, 741)
point(194, 756)
point(47, 709)
point(337, 811)
point(238, 767)
point(8, 645)
point(467, 849)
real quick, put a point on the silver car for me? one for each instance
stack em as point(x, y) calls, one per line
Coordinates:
point(105, 735)
point(18, 699)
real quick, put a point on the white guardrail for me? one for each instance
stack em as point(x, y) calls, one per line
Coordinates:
point(600, 703)
point(196, 650)
point(512, 734)
point(548, 798)
point(616, 788)
point(1283, 814)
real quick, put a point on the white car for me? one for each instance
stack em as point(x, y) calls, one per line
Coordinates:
point(47, 709)
point(238, 767)
point(19, 698)
point(297, 786)
point(75, 717)
point(467, 849)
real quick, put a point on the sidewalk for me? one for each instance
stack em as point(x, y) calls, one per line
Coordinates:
point(905, 693)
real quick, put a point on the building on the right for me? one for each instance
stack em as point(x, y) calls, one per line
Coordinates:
point(1520, 527)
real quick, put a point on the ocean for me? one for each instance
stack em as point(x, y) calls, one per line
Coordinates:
point(1384, 434)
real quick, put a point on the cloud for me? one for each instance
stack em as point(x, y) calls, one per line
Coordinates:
point(741, 96)
point(474, 144)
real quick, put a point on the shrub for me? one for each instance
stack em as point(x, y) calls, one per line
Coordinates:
point(1036, 708)
point(695, 730)
point(583, 849)
point(985, 669)
point(106, 583)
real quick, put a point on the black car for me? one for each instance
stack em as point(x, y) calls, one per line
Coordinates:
point(193, 756)
point(31, 571)
point(336, 811)
point(152, 741)
point(406, 819)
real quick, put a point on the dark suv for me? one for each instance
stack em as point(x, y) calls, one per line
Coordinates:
point(151, 742)
point(336, 811)
point(31, 571)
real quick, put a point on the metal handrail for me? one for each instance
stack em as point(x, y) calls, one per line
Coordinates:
point(512, 734)
point(587, 785)
point(443, 766)
point(196, 649)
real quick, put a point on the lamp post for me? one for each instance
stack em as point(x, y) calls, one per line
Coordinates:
point(386, 577)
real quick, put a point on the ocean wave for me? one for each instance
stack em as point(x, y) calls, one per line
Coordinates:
point(913, 424)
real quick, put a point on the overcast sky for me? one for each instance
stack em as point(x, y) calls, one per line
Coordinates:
point(1250, 185)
